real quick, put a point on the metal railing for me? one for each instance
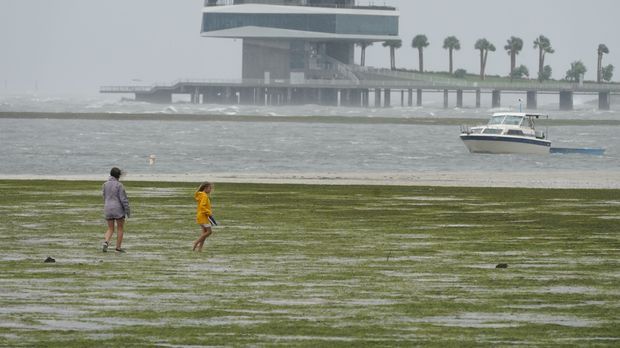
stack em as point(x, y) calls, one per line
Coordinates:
point(435, 80)
point(328, 64)
point(341, 83)
point(369, 6)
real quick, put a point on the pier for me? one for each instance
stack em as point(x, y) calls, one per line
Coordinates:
point(371, 88)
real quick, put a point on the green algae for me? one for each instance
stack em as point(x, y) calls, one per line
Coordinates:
point(311, 265)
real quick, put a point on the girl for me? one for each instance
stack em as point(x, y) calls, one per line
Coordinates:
point(115, 209)
point(204, 216)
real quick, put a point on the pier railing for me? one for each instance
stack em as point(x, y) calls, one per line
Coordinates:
point(427, 83)
point(455, 83)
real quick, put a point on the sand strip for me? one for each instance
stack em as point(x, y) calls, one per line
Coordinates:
point(547, 179)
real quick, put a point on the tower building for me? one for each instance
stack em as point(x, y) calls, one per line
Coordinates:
point(298, 40)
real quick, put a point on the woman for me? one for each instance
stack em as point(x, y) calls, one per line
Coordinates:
point(115, 208)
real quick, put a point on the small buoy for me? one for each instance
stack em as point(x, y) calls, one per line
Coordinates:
point(502, 265)
point(49, 260)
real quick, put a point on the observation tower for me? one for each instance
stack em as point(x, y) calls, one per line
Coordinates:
point(299, 40)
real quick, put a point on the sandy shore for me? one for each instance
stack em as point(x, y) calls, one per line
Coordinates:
point(549, 179)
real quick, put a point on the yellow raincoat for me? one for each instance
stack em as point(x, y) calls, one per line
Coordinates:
point(203, 209)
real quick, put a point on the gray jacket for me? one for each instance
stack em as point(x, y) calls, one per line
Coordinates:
point(115, 202)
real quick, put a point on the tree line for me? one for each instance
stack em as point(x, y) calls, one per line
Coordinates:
point(513, 46)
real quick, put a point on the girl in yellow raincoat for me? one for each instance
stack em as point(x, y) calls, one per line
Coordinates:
point(204, 214)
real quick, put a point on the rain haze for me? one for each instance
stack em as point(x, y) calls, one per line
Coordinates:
point(75, 46)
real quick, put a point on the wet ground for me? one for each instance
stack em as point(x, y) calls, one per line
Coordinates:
point(303, 265)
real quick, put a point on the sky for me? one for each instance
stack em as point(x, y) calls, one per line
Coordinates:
point(72, 47)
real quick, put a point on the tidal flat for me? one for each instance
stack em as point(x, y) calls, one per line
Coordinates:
point(311, 265)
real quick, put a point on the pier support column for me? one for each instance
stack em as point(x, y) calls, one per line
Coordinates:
point(195, 98)
point(228, 96)
point(459, 98)
point(366, 98)
point(354, 98)
point(246, 96)
point(418, 97)
point(496, 98)
point(566, 100)
point(445, 98)
point(603, 101)
point(402, 98)
point(387, 99)
point(410, 97)
point(478, 93)
point(211, 96)
point(532, 100)
point(377, 97)
point(261, 98)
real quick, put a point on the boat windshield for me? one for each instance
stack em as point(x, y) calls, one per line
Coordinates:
point(496, 120)
point(513, 120)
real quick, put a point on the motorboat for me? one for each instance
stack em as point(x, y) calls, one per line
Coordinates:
point(507, 132)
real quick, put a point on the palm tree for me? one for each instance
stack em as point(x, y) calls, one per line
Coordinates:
point(576, 71)
point(513, 46)
point(602, 49)
point(393, 45)
point(363, 45)
point(544, 46)
point(484, 46)
point(451, 43)
point(419, 42)
point(607, 72)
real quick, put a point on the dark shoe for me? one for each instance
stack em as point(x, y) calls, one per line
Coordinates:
point(105, 247)
point(119, 250)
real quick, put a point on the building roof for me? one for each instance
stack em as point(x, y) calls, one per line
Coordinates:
point(280, 9)
point(275, 33)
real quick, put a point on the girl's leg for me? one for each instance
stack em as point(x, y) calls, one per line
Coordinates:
point(120, 224)
point(197, 241)
point(205, 234)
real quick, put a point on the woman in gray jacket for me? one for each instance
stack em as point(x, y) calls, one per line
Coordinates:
point(116, 208)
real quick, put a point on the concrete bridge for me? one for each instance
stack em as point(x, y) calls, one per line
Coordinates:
point(381, 84)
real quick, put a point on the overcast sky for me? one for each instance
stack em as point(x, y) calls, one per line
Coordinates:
point(75, 46)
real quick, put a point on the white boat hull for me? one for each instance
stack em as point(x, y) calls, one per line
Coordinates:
point(501, 144)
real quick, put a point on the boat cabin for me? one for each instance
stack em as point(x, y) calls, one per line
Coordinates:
point(511, 124)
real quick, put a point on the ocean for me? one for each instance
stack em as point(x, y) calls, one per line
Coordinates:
point(59, 147)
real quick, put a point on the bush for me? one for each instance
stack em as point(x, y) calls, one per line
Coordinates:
point(460, 73)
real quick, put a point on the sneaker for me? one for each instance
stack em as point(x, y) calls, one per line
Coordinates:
point(119, 250)
point(105, 247)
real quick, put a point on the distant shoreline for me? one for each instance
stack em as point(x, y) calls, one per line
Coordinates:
point(560, 179)
point(267, 118)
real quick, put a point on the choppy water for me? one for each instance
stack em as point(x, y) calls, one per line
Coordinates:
point(73, 147)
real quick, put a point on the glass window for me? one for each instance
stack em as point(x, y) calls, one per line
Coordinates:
point(492, 131)
point(513, 120)
point(496, 120)
point(514, 132)
point(324, 23)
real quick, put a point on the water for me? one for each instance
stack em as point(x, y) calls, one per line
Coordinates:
point(87, 147)
point(586, 107)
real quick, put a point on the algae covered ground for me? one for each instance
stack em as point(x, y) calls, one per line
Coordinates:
point(310, 265)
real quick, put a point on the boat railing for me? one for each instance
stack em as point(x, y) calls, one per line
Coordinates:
point(466, 129)
point(540, 134)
